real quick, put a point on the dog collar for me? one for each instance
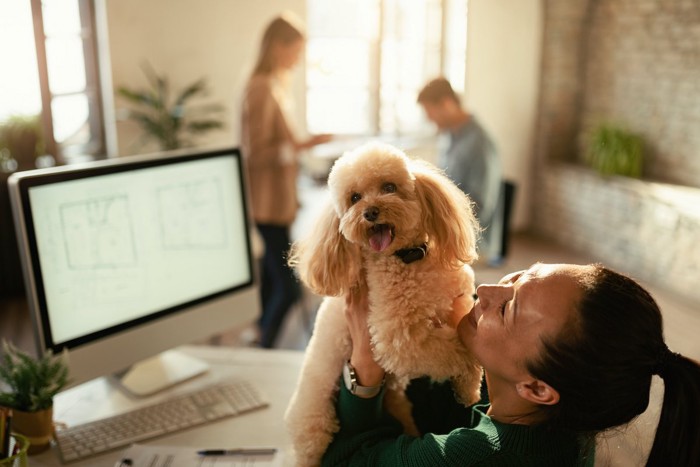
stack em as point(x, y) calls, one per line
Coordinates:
point(409, 255)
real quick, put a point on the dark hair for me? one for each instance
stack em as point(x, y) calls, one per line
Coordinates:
point(284, 29)
point(602, 365)
point(436, 90)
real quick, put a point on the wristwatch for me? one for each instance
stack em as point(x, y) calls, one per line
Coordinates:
point(350, 378)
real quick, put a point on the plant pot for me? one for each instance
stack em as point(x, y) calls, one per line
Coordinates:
point(37, 427)
point(19, 458)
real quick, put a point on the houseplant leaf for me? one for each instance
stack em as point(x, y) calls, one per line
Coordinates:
point(31, 382)
point(170, 122)
point(615, 151)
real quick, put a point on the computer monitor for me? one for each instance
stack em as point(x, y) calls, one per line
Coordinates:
point(128, 258)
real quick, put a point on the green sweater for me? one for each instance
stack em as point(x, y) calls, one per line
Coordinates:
point(455, 435)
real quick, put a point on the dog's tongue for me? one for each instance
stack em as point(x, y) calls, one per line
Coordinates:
point(381, 238)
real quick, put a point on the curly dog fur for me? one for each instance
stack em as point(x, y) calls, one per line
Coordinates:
point(383, 202)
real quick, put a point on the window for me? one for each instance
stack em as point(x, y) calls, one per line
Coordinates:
point(70, 83)
point(19, 81)
point(368, 59)
point(62, 82)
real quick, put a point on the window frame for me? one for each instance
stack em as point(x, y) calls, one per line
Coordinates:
point(376, 81)
point(96, 146)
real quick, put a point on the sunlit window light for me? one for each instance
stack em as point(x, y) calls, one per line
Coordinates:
point(367, 61)
point(19, 80)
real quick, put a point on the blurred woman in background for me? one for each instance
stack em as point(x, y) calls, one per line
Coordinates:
point(272, 149)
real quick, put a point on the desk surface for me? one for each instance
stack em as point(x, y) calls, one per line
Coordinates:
point(273, 372)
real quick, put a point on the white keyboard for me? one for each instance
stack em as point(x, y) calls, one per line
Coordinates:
point(179, 413)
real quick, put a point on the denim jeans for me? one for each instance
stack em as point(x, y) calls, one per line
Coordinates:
point(280, 289)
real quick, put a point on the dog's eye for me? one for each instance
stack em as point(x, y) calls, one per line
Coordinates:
point(389, 188)
point(355, 197)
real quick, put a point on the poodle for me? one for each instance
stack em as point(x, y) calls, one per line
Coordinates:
point(412, 233)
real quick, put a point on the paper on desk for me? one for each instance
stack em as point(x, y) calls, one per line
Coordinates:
point(142, 455)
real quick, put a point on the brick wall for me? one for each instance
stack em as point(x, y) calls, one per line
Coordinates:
point(648, 230)
point(643, 70)
point(637, 63)
point(563, 60)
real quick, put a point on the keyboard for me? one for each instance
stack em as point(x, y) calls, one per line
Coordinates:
point(179, 413)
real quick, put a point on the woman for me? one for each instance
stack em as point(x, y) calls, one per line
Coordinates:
point(272, 152)
point(567, 351)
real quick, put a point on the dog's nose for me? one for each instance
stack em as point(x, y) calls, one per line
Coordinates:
point(371, 213)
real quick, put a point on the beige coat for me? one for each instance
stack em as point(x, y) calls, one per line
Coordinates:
point(266, 144)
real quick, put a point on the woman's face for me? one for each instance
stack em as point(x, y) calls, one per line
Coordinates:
point(506, 326)
point(287, 55)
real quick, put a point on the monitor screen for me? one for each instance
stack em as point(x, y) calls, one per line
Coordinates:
point(134, 255)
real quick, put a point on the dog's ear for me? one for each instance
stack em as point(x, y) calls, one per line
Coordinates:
point(448, 216)
point(326, 262)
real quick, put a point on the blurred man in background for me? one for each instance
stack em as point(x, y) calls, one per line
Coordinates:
point(470, 159)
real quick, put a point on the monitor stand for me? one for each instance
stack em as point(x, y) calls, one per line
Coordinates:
point(158, 373)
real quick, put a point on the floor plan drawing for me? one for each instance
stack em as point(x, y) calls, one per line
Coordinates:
point(191, 215)
point(98, 233)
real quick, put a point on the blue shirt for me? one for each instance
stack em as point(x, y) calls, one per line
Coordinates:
point(472, 162)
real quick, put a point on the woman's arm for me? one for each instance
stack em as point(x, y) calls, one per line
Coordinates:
point(264, 127)
point(313, 140)
point(368, 434)
point(368, 372)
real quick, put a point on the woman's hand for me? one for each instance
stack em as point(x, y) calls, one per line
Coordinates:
point(320, 139)
point(312, 141)
point(368, 372)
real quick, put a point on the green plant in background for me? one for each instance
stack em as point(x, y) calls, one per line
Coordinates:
point(614, 151)
point(171, 121)
point(31, 382)
point(22, 140)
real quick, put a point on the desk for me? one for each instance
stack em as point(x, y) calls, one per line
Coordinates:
point(273, 372)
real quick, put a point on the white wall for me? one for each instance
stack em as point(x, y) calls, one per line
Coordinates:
point(503, 67)
point(187, 40)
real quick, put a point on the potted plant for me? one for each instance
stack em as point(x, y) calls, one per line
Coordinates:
point(31, 384)
point(21, 140)
point(170, 120)
point(615, 151)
